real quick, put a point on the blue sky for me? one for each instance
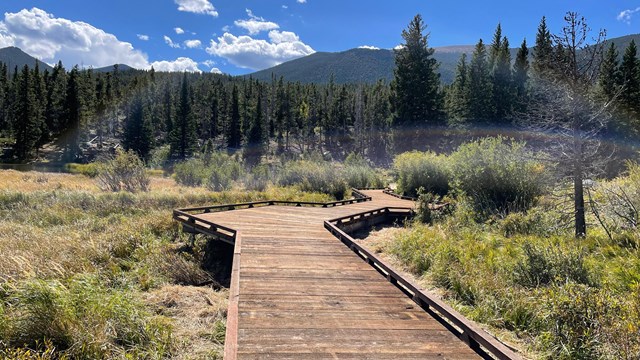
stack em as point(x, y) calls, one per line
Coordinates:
point(239, 37)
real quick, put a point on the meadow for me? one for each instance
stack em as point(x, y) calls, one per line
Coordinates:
point(88, 273)
point(94, 267)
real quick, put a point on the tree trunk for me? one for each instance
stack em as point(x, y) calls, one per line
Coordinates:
point(578, 189)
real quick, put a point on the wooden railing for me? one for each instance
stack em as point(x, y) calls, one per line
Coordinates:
point(479, 340)
point(190, 222)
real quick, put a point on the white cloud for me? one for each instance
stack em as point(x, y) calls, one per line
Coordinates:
point(208, 63)
point(398, 47)
point(626, 15)
point(179, 65)
point(171, 43)
point(178, 30)
point(255, 24)
point(197, 7)
point(247, 52)
point(193, 44)
point(285, 7)
point(143, 37)
point(369, 47)
point(226, 28)
point(74, 42)
point(216, 71)
point(301, 1)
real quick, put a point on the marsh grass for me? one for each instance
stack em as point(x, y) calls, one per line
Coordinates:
point(560, 297)
point(79, 264)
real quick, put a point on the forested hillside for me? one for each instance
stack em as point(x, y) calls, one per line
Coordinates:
point(79, 111)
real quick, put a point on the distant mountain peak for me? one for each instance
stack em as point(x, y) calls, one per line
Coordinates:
point(14, 56)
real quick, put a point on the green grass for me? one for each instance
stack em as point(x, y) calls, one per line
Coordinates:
point(559, 296)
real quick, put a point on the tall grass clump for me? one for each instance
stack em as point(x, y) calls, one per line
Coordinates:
point(498, 175)
point(358, 173)
point(425, 170)
point(125, 171)
point(313, 176)
point(82, 319)
point(216, 170)
point(90, 169)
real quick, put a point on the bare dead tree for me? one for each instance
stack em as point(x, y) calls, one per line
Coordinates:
point(563, 106)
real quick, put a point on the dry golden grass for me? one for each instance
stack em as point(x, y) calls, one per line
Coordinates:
point(63, 240)
point(198, 315)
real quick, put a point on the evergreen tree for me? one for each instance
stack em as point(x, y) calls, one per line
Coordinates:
point(415, 96)
point(255, 136)
point(4, 100)
point(138, 133)
point(55, 116)
point(183, 138)
point(543, 49)
point(234, 132)
point(39, 93)
point(500, 65)
point(479, 89)
point(26, 121)
point(380, 116)
point(457, 102)
point(609, 75)
point(520, 77)
point(73, 114)
point(630, 82)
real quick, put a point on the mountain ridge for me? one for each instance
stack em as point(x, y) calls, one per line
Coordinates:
point(369, 65)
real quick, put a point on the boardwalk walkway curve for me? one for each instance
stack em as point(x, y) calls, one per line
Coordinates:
point(297, 292)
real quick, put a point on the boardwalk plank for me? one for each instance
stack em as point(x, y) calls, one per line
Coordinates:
point(302, 294)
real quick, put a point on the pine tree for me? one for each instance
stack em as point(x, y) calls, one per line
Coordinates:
point(479, 87)
point(609, 75)
point(4, 100)
point(380, 115)
point(39, 92)
point(55, 116)
point(73, 114)
point(630, 82)
point(234, 130)
point(415, 97)
point(255, 136)
point(457, 102)
point(543, 49)
point(183, 138)
point(520, 77)
point(500, 65)
point(138, 132)
point(26, 122)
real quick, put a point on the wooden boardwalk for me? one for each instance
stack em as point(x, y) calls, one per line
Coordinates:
point(297, 292)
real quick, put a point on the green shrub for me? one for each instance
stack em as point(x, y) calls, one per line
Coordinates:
point(222, 174)
point(159, 156)
point(362, 176)
point(536, 221)
point(90, 169)
point(423, 208)
point(258, 178)
point(191, 172)
point(499, 176)
point(125, 171)
point(313, 177)
point(422, 169)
